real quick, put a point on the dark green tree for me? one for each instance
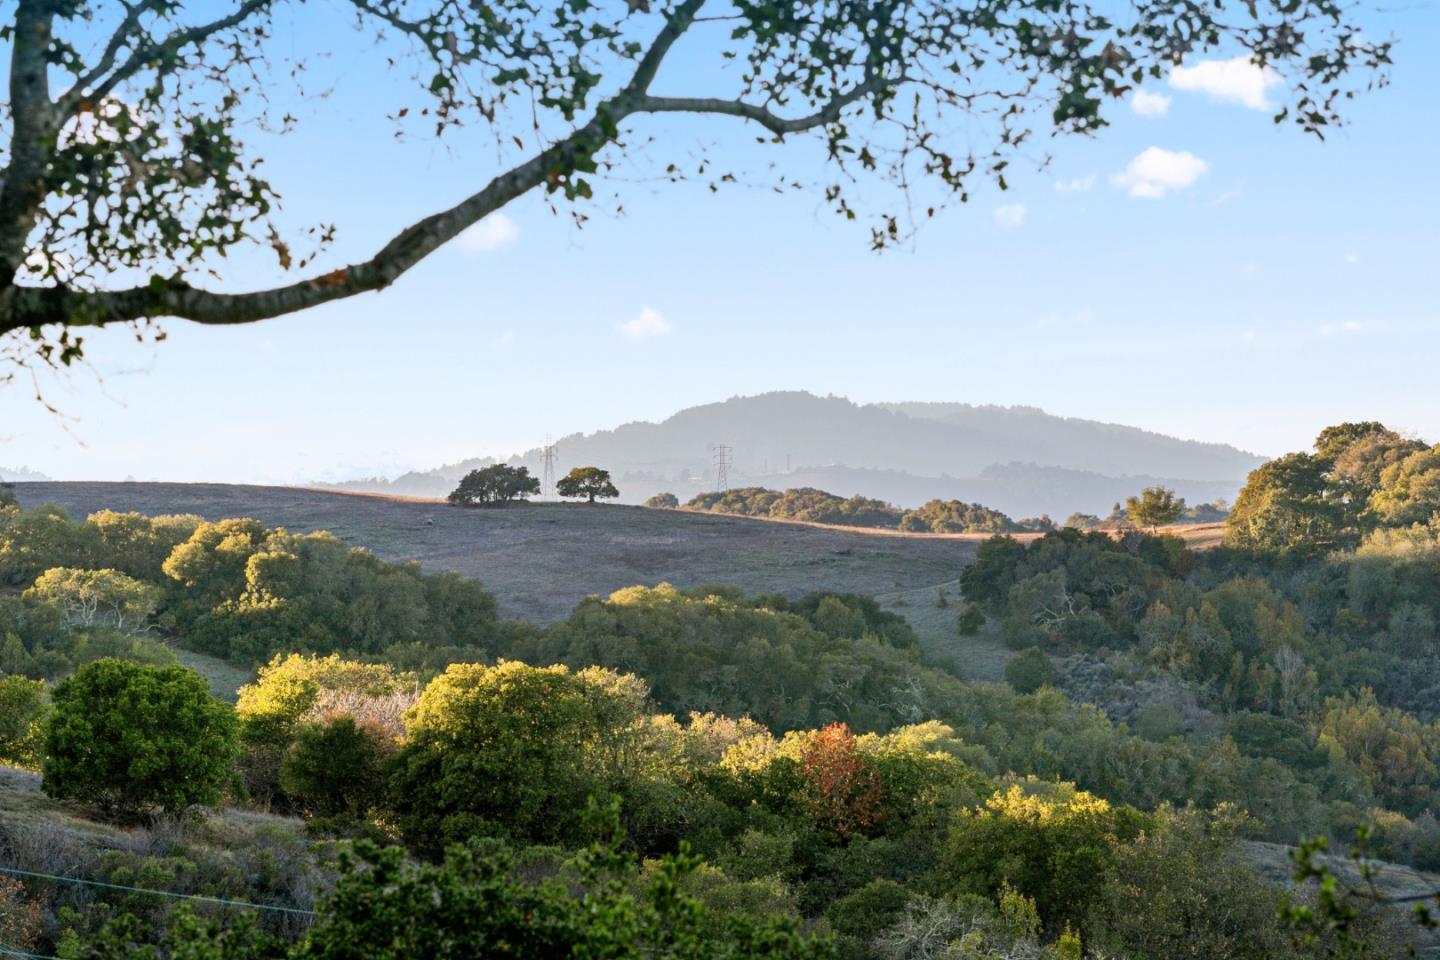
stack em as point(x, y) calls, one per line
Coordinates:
point(23, 707)
point(1030, 670)
point(337, 769)
point(387, 908)
point(663, 501)
point(1284, 504)
point(499, 751)
point(971, 619)
point(587, 482)
point(494, 485)
point(134, 738)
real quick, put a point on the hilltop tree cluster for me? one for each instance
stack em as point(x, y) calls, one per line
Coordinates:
point(817, 506)
point(500, 484)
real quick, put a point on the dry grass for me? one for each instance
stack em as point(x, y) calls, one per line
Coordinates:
point(542, 559)
point(1272, 862)
point(981, 657)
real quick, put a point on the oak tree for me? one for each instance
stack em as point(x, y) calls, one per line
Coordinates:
point(494, 485)
point(1154, 507)
point(587, 482)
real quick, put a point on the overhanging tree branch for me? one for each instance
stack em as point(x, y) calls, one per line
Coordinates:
point(163, 186)
point(96, 85)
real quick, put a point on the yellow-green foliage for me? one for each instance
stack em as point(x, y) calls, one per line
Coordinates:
point(24, 705)
point(1049, 841)
point(94, 598)
point(292, 688)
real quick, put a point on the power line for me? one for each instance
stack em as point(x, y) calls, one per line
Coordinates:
point(159, 893)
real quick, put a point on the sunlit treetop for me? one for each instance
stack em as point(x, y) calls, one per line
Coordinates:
point(127, 178)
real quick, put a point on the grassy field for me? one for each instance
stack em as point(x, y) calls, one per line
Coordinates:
point(542, 559)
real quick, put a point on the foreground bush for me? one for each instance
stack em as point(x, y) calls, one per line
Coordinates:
point(134, 738)
point(22, 715)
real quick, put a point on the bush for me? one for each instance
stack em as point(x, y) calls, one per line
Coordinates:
point(338, 769)
point(1050, 842)
point(134, 738)
point(865, 912)
point(22, 716)
point(971, 619)
point(663, 501)
point(1030, 670)
point(500, 751)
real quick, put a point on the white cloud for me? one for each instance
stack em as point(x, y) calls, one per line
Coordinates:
point(1077, 185)
point(493, 233)
point(1335, 329)
point(1157, 171)
point(649, 324)
point(1149, 104)
point(1351, 259)
point(1237, 81)
point(1010, 216)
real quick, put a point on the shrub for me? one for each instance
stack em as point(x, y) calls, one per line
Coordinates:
point(21, 919)
point(337, 769)
point(663, 501)
point(22, 716)
point(501, 751)
point(132, 738)
point(1049, 842)
point(1030, 670)
point(865, 912)
point(971, 619)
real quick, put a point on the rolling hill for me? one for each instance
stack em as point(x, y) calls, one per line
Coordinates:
point(541, 559)
point(1020, 460)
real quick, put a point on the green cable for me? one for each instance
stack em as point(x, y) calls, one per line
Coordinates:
point(26, 956)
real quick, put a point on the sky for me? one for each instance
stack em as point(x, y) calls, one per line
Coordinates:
point(1194, 270)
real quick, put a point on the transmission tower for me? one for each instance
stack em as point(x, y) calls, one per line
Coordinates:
point(724, 459)
point(547, 479)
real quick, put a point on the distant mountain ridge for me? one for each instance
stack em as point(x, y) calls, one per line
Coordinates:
point(1017, 459)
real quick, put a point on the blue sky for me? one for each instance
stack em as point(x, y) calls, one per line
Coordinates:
point(1277, 285)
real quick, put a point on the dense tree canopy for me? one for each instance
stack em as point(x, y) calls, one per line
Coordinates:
point(127, 176)
point(1360, 477)
point(134, 738)
point(820, 506)
point(497, 484)
point(587, 482)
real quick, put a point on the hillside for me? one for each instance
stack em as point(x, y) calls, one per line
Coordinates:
point(541, 559)
point(1020, 460)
